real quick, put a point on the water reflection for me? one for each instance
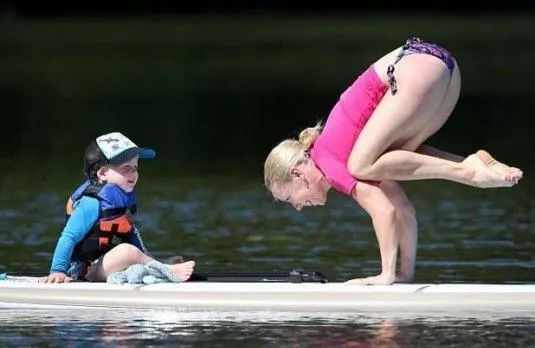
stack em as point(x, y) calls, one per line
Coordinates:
point(101, 327)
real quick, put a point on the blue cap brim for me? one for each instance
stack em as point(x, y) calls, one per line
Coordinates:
point(145, 153)
point(141, 152)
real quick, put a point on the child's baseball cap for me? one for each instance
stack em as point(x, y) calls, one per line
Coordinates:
point(112, 148)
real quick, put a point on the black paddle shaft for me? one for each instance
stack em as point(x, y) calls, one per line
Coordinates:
point(295, 276)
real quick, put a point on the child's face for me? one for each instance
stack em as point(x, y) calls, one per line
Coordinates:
point(124, 175)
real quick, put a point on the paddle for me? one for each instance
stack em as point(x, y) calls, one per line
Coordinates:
point(295, 276)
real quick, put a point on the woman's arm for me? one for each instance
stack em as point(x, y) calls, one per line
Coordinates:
point(383, 214)
point(406, 229)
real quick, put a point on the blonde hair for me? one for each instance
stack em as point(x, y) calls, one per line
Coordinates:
point(288, 154)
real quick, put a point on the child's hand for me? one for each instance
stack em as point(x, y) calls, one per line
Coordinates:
point(55, 278)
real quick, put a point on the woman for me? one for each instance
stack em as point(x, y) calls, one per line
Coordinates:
point(375, 134)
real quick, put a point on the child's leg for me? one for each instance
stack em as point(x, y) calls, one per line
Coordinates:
point(124, 255)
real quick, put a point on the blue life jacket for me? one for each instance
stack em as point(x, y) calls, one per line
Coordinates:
point(115, 224)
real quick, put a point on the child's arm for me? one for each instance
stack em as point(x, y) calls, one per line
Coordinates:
point(83, 218)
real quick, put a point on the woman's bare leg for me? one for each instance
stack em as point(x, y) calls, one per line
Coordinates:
point(512, 174)
point(434, 152)
point(435, 123)
point(404, 119)
point(124, 255)
point(415, 144)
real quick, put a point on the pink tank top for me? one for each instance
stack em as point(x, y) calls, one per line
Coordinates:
point(344, 124)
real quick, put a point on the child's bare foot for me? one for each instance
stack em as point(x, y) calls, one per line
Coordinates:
point(484, 177)
point(511, 173)
point(183, 270)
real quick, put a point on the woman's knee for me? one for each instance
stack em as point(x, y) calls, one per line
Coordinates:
point(359, 170)
point(354, 168)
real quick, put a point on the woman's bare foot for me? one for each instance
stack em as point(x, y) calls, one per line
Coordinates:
point(183, 270)
point(512, 174)
point(403, 278)
point(381, 279)
point(483, 176)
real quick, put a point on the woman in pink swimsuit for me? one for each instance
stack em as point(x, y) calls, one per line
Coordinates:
point(374, 137)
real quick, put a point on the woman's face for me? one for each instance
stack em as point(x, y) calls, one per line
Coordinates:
point(306, 187)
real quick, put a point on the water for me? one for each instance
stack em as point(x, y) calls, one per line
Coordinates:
point(105, 328)
point(231, 223)
point(465, 233)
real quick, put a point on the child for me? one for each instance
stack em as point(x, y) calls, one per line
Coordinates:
point(100, 236)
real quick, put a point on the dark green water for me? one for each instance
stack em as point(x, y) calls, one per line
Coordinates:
point(212, 95)
point(232, 223)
